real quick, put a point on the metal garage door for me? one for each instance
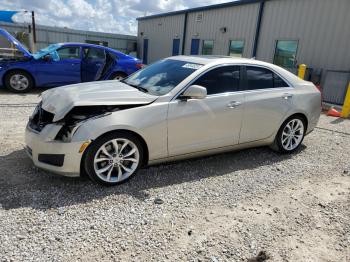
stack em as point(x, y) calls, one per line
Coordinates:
point(334, 86)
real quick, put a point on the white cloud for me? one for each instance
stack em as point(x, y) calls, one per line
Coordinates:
point(113, 16)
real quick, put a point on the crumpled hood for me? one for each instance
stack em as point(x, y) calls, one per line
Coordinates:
point(59, 101)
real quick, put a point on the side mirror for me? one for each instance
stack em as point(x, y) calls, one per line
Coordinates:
point(195, 91)
point(47, 58)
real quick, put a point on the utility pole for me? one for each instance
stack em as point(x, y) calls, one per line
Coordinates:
point(34, 33)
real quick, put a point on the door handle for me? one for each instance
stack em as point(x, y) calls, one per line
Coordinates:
point(233, 104)
point(287, 96)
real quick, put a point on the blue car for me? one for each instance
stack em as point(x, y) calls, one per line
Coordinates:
point(60, 64)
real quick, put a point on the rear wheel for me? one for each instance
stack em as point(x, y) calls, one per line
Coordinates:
point(19, 81)
point(118, 76)
point(114, 158)
point(291, 135)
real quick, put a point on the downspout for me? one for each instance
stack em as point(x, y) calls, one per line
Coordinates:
point(258, 26)
point(184, 34)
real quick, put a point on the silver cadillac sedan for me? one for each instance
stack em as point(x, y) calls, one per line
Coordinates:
point(176, 108)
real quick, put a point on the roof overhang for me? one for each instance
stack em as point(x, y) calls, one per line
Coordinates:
point(203, 8)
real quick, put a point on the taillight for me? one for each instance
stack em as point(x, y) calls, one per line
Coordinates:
point(139, 66)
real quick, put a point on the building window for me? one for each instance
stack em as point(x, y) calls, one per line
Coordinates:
point(236, 48)
point(199, 17)
point(285, 53)
point(207, 48)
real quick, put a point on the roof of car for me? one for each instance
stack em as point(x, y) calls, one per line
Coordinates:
point(92, 45)
point(208, 59)
point(215, 60)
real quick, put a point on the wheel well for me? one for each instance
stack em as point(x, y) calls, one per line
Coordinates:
point(16, 70)
point(302, 116)
point(143, 142)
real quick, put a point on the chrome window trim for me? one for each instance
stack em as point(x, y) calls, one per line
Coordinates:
point(268, 68)
point(234, 92)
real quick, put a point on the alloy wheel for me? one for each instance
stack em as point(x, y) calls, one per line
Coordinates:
point(19, 82)
point(292, 134)
point(116, 160)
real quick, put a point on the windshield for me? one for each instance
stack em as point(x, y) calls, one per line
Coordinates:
point(161, 77)
point(51, 49)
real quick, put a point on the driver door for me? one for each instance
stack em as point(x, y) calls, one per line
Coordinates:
point(215, 121)
point(62, 72)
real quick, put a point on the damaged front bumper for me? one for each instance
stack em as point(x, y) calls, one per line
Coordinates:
point(59, 157)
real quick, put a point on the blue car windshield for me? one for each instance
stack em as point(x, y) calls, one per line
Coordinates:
point(161, 77)
point(51, 49)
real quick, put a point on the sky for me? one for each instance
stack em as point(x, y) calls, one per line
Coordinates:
point(112, 16)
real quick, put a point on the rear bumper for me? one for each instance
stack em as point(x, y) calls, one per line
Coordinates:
point(64, 158)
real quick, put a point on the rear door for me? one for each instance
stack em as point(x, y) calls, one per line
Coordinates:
point(93, 63)
point(145, 51)
point(176, 47)
point(194, 46)
point(268, 98)
point(213, 122)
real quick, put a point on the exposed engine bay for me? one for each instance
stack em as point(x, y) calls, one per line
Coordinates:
point(72, 121)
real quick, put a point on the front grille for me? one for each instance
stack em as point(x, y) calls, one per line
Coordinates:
point(51, 159)
point(40, 119)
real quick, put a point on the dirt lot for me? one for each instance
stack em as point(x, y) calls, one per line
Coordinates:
point(221, 208)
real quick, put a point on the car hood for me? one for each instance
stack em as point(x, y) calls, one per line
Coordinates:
point(15, 42)
point(59, 101)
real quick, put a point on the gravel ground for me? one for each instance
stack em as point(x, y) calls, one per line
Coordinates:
point(227, 207)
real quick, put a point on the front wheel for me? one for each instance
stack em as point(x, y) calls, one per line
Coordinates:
point(19, 81)
point(290, 136)
point(114, 158)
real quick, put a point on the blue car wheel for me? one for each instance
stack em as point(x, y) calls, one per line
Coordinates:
point(118, 76)
point(18, 81)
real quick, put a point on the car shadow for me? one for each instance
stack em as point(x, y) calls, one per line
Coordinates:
point(23, 185)
point(35, 90)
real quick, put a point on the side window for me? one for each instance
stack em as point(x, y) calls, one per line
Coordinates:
point(207, 47)
point(220, 80)
point(279, 82)
point(94, 53)
point(236, 48)
point(69, 52)
point(262, 78)
point(258, 78)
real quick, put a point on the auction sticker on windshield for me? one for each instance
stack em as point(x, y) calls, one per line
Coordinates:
point(192, 66)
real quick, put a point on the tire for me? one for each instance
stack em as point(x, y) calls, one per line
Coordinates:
point(118, 76)
point(106, 166)
point(19, 81)
point(286, 134)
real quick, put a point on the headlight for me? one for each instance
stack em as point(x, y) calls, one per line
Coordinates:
point(70, 127)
